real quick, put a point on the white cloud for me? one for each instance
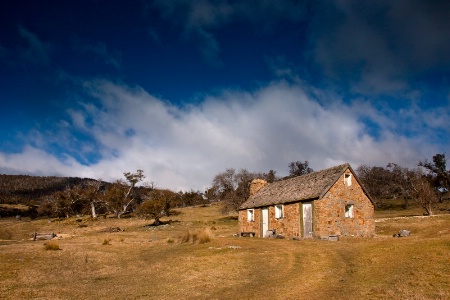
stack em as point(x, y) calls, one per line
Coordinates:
point(183, 148)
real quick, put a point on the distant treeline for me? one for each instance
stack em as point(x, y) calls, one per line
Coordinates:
point(53, 196)
point(28, 190)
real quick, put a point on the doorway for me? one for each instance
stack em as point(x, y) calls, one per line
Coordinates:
point(307, 220)
point(264, 221)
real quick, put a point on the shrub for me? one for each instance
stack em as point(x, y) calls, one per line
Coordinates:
point(106, 242)
point(170, 241)
point(51, 246)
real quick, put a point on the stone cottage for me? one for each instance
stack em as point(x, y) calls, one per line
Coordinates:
point(323, 204)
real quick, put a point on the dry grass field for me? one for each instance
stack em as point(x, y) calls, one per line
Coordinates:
point(197, 257)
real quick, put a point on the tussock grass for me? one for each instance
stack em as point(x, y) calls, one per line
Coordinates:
point(197, 237)
point(52, 245)
point(225, 267)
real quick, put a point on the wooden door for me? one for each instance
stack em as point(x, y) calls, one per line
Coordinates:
point(307, 220)
point(264, 221)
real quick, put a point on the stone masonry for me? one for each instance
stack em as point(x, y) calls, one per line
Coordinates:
point(328, 214)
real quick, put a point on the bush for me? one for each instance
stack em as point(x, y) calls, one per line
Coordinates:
point(51, 246)
point(106, 242)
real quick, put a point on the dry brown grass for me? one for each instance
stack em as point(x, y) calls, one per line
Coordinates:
point(140, 262)
point(52, 245)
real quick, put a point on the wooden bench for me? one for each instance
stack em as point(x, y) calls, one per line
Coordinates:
point(43, 236)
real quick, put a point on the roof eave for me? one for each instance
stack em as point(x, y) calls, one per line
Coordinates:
point(278, 203)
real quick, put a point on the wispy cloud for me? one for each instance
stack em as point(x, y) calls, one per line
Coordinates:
point(99, 50)
point(32, 51)
point(184, 148)
point(36, 51)
point(201, 18)
point(382, 46)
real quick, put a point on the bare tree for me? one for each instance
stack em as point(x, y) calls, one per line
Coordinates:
point(400, 182)
point(121, 194)
point(391, 182)
point(233, 188)
point(438, 173)
point(93, 195)
point(376, 180)
point(423, 192)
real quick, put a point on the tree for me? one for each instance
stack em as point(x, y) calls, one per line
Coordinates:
point(438, 173)
point(375, 180)
point(233, 188)
point(270, 177)
point(423, 192)
point(121, 194)
point(92, 193)
point(298, 168)
point(190, 198)
point(156, 204)
point(391, 182)
point(47, 207)
point(400, 182)
point(69, 202)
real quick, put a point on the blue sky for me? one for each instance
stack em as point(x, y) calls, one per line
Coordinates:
point(185, 89)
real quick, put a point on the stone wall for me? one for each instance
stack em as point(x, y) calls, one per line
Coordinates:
point(329, 212)
point(245, 226)
point(289, 226)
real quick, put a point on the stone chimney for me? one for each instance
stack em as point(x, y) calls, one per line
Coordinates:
point(256, 185)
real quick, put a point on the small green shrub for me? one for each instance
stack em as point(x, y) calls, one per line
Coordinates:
point(170, 241)
point(106, 242)
point(51, 246)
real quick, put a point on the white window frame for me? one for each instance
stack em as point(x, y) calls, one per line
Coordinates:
point(250, 215)
point(348, 179)
point(349, 211)
point(279, 211)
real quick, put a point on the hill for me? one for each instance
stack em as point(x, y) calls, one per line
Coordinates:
point(26, 189)
point(196, 256)
point(20, 193)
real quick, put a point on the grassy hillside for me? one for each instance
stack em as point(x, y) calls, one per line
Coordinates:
point(154, 263)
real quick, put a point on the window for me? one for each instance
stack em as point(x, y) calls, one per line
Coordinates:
point(279, 211)
point(250, 215)
point(349, 211)
point(348, 179)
